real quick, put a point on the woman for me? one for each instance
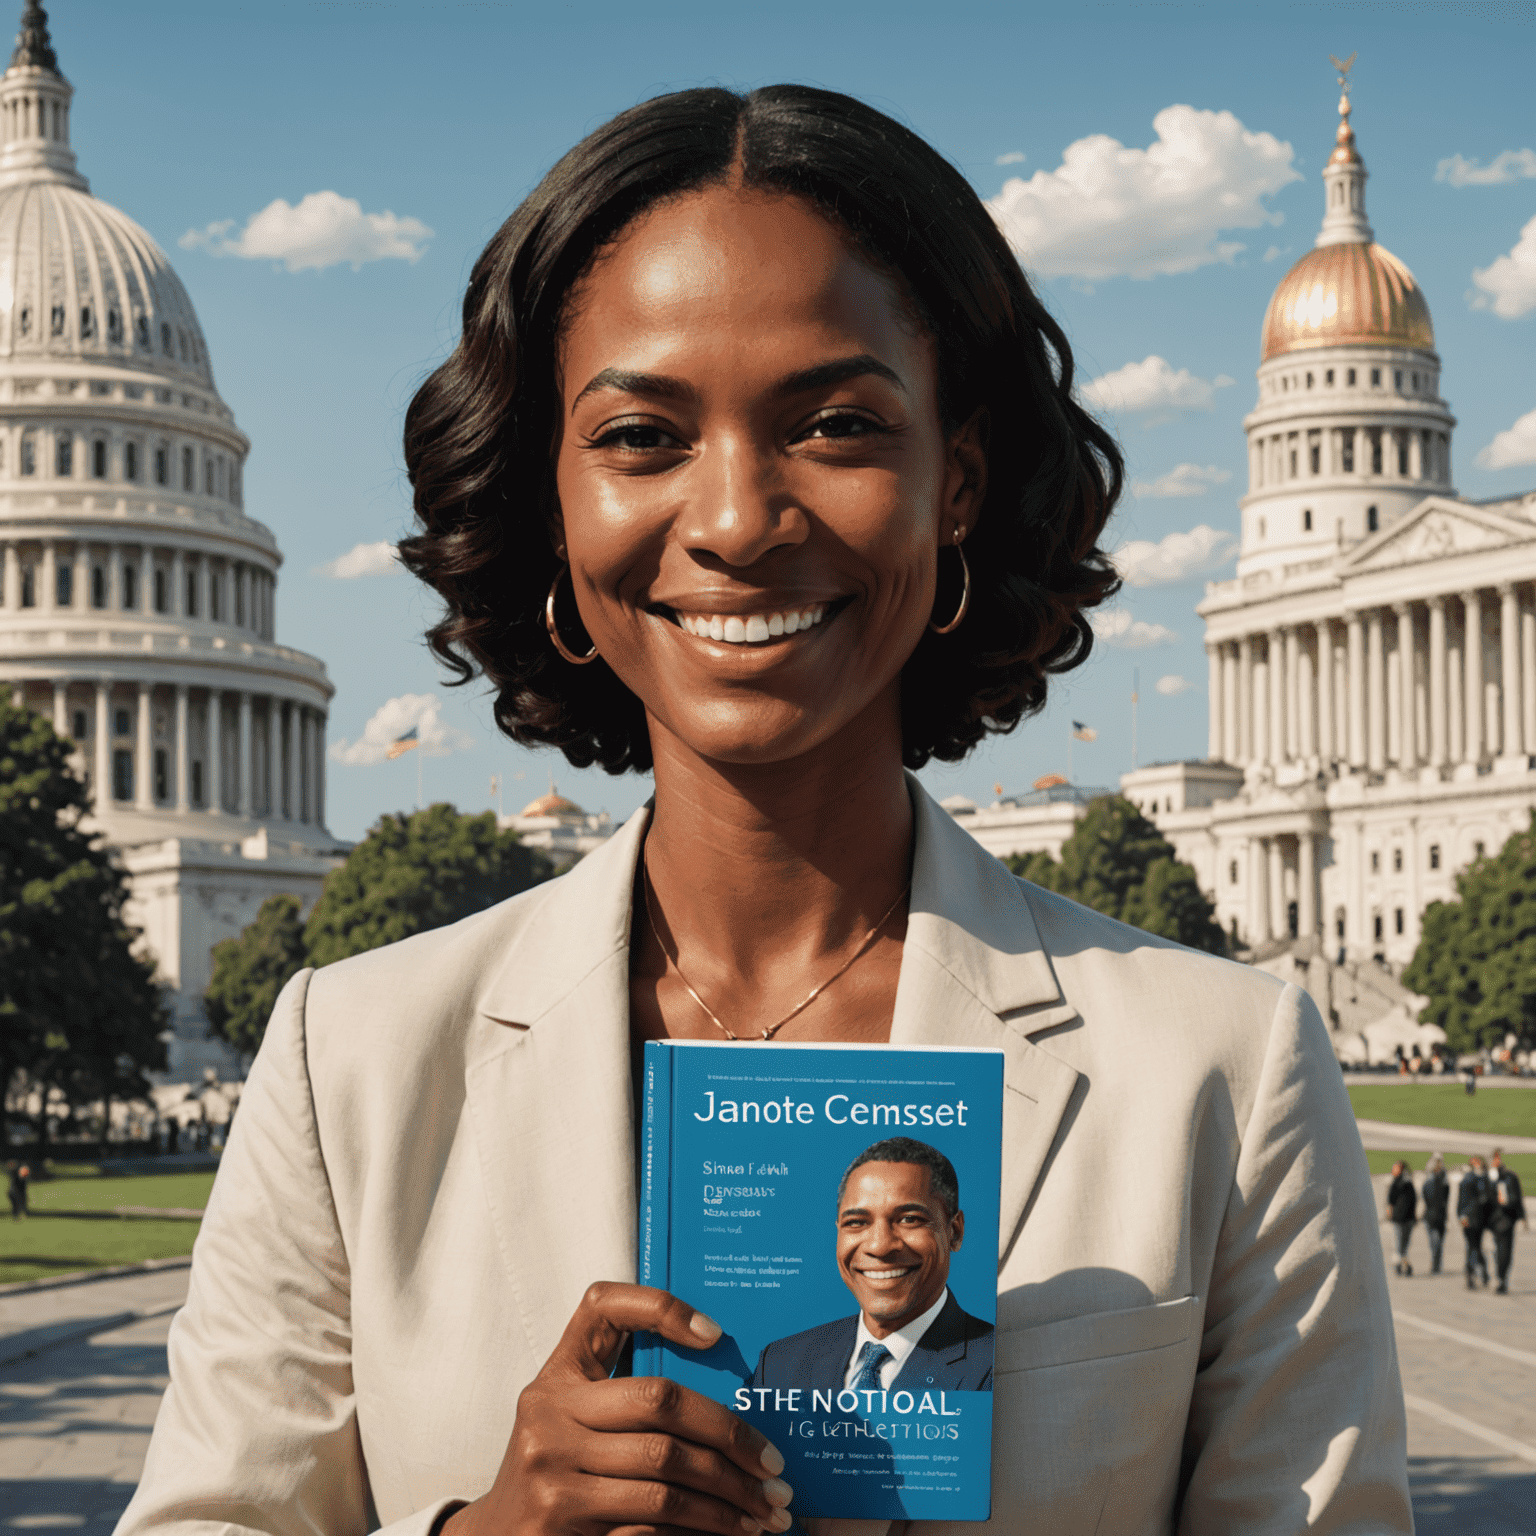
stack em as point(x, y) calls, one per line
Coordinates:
point(1437, 1195)
point(1402, 1209)
point(758, 466)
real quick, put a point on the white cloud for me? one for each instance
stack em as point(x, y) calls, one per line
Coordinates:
point(1013, 157)
point(393, 720)
point(1274, 253)
point(1511, 448)
point(1153, 387)
point(1172, 685)
point(1179, 557)
point(1109, 211)
point(322, 230)
point(1115, 626)
point(1509, 285)
point(1512, 165)
point(1182, 480)
point(377, 559)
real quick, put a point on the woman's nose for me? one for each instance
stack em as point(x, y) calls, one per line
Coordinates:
point(739, 507)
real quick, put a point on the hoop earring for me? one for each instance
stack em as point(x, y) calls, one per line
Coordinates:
point(965, 595)
point(553, 628)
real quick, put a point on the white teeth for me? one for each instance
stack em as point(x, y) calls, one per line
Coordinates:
point(753, 629)
point(883, 1274)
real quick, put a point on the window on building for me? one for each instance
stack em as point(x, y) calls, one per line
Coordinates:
point(1347, 453)
point(141, 331)
point(64, 584)
point(114, 325)
point(1372, 520)
point(215, 596)
point(1293, 463)
point(162, 467)
point(24, 324)
point(208, 477)
point(1261, 527)
point(58, 320)
point(1478, 849)
point(181, 337)
point(1397, 378)
point(191, 594)
point(165, 339)
point(130, 586)
point(1349, 378)
point(1434, 855)
point(28, 453)
point(122, 774)
point(1316, 453)
point(1338, 926)
point(162, 595)
point(99, 458)
point(1375, 453)
point(81, 725)
point(1293, 919)
point(1415, 383)
point(131, 460)
point(1306, 520)
point(1232, 873)
point(1376, 925)
point(1309, 381)
point(98, 586)
point(162, 775)
point(28, 588)
point(1375, 862)
point(197, 781)
point(1328, 379)
point(187, 482)
point(1402, 453)
point(1376, 378)
point(122, 724)
point(1397, 861)
point(64, 455)
point(1397, 919)
point(87, 323)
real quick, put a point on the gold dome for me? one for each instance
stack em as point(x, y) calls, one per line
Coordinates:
point(552, 805)
point(1347, 294)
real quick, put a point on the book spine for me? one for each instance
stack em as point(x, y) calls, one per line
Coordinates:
point(655, 1191)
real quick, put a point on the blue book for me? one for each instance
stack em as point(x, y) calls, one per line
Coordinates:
point(834, 1208)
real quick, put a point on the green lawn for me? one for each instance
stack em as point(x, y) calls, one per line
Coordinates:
point(1494, 1111)
point(69, 1230)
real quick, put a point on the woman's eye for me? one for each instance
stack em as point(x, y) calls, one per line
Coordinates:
point(842, 426)
point(636, 437)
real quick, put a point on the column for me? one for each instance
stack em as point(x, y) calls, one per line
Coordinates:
point(306, 797)
point(114, 576)
point(178, 583)
point(1213, 697)
point(1278, 928)
point(1327, 749)
point(48, 577)
point(102, 775)
point(274, 735)
point(215, 750)
point(1354, 704)
point(1438, 735)
point(143, 765)
point(10, 579)
point(243, 766)
point(1407, 709)
point(1245, 700)
point(1511, 692)
point(1258, 889)
point(1293, 747)
point(1472, 688)
point(200, 581)
point(1306, 884)
point(1528, 672)
point(1376, 694)
point(60, 708)
point(1277, 690)
point(1415, 456)
point(318, 737)
point(1306, 698)
point(1229, 700)
point(183, 757)
point(294, 800)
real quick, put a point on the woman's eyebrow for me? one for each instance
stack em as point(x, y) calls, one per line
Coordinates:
point(818, 376)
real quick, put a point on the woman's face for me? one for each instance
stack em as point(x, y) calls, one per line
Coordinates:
point(754, 481)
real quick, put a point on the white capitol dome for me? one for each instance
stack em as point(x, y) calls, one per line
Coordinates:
point(136, 596)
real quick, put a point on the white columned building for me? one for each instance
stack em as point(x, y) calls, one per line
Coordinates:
point(1373, 661)
point(136, 594)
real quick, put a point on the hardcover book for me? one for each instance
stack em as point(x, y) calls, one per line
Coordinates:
point(834, 1208)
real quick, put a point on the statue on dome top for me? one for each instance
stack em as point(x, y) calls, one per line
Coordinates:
point(34, 49)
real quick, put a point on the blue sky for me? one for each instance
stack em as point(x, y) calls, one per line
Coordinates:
point(191, 115)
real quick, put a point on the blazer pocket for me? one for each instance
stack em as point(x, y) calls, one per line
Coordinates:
point(1096, 1336)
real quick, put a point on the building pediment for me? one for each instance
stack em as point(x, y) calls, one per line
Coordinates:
point(1437, 529)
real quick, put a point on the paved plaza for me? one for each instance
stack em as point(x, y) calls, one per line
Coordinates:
point(76, 1407)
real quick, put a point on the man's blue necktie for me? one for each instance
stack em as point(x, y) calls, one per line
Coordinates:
point(871, 1358)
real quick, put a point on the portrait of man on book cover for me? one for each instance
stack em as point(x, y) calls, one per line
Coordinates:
point(899, 1221)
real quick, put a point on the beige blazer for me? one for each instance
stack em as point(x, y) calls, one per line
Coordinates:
point(434, 1157)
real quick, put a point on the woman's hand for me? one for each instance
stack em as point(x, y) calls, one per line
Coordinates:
point(637, 1454)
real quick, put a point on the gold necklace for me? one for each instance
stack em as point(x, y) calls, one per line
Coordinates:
point(804, 1003)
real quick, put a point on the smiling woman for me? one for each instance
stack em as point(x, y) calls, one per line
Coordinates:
point(758, 465)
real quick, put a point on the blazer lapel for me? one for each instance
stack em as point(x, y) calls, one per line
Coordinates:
point(550, 1092)
point(974, 972)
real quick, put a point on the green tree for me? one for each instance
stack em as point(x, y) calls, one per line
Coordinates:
point(1118, 863)
point(412, 873)
point(249, 972)
point(1476, 960)
point(79, 1010)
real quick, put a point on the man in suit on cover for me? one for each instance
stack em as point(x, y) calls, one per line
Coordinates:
point(898, 1222)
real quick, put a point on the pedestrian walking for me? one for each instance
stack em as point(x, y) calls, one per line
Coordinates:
point(17, 1191)
point(1472, 1202)
point(1436, 1193)
point(1505, 1209)
point(1403, 1208)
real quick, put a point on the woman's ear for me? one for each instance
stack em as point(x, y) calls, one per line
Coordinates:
point(966, 481)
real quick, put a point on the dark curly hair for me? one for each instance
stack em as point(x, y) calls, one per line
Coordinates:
point(480, 433)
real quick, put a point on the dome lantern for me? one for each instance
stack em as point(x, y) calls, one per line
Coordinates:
point(34, 110)
point(1344, 176)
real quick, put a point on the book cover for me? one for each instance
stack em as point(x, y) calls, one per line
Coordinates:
point(834, 1208)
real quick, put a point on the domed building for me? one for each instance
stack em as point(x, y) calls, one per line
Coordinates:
point(137, 597)
point(1373, 662)
point(559, 827)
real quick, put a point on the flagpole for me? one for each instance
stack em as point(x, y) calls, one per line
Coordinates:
point(1135, 700)
point(418, 775)
point(1071, 737)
